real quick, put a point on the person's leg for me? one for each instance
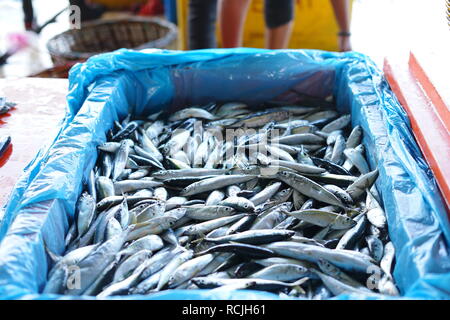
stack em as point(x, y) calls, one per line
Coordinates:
point(278, 37)
point(279, 15)
point(341, 10)
point(202, 24)
point(232, 17)
point(27, 6)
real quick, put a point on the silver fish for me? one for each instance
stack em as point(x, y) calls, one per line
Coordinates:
point(199, 211)
point(214, 183)
point(85, 212)
point(92, 266)
point(121, 157)
point(281, 272)
point(309, 188)
point(131, 263)
point(189, 269)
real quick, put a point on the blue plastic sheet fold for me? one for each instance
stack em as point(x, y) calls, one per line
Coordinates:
point(109, 86)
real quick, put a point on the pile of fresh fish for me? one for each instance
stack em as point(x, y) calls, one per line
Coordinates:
point(224, 197)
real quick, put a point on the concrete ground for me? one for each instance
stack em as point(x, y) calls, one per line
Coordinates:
point(379, 28)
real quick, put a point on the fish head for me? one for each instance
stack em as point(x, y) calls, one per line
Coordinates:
point(290, 233)
point(225, 210)
point(161, 174)
point(170, 221)
point(127, 143)
point(283, 195)
point(185, 191)
point(360, 148)
point(247, 205)
point(142, 206)
point(187, 231)
point(345, 222)
point(325, 265)
point(245, 169)
point(177, 116)
point(282, 174)
point(177, 213)
point(165, 149)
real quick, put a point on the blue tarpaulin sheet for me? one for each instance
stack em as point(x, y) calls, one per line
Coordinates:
point(109, 86)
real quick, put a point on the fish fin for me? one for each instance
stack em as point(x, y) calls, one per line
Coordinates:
point(322, 234)
point(297, 285)
point(300, 281)
point(200, 239)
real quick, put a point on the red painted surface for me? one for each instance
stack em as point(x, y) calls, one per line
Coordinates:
point(425, 108)
point(32, 123)
point(429, 84)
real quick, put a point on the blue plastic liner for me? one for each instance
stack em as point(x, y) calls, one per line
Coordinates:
point(109, 86)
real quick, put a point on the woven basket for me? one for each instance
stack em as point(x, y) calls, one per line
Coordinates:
point(108, 35)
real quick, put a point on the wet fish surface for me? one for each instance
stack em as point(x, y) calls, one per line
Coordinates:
point(226, 197)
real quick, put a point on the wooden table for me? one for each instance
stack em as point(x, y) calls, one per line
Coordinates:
point(33, 122)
